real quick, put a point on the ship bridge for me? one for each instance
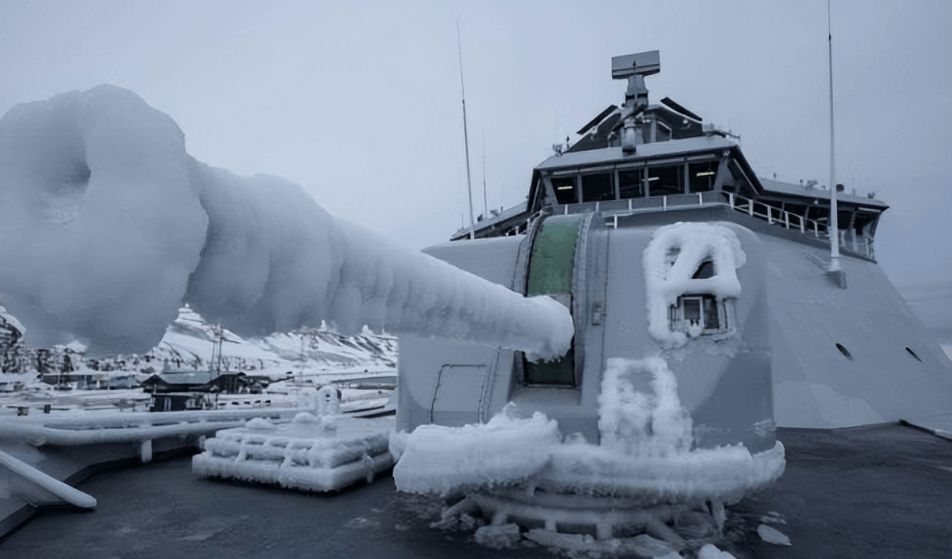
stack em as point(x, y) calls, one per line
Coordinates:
point(638, 160)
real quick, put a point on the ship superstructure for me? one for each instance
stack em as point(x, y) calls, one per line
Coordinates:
point(658, 236)
point(642, 159)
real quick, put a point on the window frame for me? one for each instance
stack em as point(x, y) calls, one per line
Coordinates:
point(678, 322)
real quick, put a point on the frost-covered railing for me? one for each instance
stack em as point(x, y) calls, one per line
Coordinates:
point(36, 477)
point(613, 209)
point(98, 428)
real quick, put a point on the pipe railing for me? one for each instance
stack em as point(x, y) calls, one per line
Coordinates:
point(862, 246)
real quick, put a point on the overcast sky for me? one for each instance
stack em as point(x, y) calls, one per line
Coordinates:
point(359, 102)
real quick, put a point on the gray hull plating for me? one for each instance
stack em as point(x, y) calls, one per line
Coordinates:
point(890, 367)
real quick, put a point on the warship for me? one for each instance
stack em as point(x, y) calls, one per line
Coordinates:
point(709, 329)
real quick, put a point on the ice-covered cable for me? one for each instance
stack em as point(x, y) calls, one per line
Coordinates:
point(107, 225)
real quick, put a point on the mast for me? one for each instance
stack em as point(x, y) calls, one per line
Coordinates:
point(485, 200)
point(469, 182)
point(833, 226)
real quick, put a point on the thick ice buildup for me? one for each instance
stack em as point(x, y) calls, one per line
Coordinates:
point(724, 474)
point(505, 451)
point(637, 423)
point(646, 453)
point(100, 222)
point(107, 226)
point(670, 262)
point(710, 551)
point(647, 447)
point(303, 454)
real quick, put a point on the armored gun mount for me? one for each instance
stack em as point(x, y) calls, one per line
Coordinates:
point(669, 366)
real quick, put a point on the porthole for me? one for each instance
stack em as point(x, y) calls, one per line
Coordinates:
point(913, 353)
point(844, 351)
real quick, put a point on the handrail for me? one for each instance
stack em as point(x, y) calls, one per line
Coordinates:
point(132, 427)
point(862, 246)
point(858, 245)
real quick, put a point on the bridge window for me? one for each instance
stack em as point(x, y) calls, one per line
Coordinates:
point(664, 181)
point(631, 183)
point(565, 190)
point(597, 187)
point(702, 176)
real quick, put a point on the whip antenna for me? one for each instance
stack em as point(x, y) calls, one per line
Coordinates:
point(833, 226)
point(469, 182)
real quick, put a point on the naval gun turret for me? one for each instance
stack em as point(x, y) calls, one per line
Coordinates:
point(665, 397)
point(654, 232)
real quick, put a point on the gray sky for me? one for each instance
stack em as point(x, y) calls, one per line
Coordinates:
point(360, 103)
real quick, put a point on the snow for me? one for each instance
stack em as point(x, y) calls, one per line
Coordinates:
point(11, 320)
point(498, 537)
point(772, 535)
point(504, 451)
point(670, 261)
point(710, 551)
point(59, 489)
point(647, 447)
point(646, 453)
point(311, 355)
point(100, 224)
point(642, 424)
point(727, 473)
point(259, 424)
point(319, 450)
point(80, 427)
point(107, 225)
point(584, 545)
point(313, 453)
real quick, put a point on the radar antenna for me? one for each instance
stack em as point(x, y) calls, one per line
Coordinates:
point(634, 68)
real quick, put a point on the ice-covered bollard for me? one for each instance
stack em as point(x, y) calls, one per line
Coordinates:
point(328, 401)
point(321, 402)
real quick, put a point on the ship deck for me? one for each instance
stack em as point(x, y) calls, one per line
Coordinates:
point(880, 491)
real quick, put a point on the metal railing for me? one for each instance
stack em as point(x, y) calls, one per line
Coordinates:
point(848, 241)
point(613, 209)
point(774, 215)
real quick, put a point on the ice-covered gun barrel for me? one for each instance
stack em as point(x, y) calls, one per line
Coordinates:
point(107, 226)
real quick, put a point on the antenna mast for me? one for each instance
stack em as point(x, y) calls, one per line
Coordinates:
point(469, 182)
point(485, 199)
point(833, 226)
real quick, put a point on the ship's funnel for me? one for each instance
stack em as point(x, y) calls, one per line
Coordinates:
point(107, 226)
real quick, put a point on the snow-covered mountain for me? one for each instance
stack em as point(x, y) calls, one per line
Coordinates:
point(189, 343)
